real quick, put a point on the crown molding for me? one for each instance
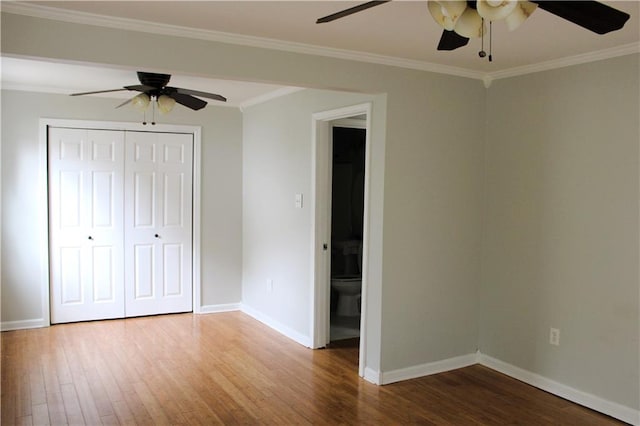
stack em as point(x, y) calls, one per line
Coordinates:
point(45, 12)
point(626, 49)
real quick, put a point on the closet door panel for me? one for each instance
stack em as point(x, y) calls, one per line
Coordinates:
point(158, 223)
point(103, 268)
point(174, 199)
point(144, 195)
point(144, 271)
point(86, 219)
point(173, 280)
point(70, 280)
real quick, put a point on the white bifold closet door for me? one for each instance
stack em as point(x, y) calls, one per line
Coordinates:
point(158, 223)
point(120, 223)
point(86, 169)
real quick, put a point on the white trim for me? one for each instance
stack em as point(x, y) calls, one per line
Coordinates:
point(428, 369)
point(25, 324)
point(43, 201)
point(46, 12)
point(351, 123)
point(621, 412)
point(196, 230)
point(196, 131)
point(223, 307)
point(372, 376)
point(627, 49)
point(277, 326)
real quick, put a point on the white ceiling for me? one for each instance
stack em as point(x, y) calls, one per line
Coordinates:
point(50, 77)
point(397, 32)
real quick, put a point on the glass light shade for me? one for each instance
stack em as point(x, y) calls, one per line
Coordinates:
point(446, 13)
point(520, 14)
point(492, 10)
point(470, 24)
point(165, 104)
point(141, 102)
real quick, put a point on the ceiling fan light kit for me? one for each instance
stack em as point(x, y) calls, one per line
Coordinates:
point(470, 24)
point(462, 20)
point(140, 102)
point(165, 104)
point(467, 19)
point(523, 10)
point(446, 13)
point(495, 10)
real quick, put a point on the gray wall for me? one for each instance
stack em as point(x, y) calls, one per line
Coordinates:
point(221, 202)
point(561, 226)
point(277, 153)
point(433, 199)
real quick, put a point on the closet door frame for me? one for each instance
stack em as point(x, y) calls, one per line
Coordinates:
point(45, 124)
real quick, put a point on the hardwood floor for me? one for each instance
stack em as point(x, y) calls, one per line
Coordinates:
point(228, 368)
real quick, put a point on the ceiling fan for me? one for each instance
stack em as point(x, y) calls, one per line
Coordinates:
point(153, 89)
point(463, 20)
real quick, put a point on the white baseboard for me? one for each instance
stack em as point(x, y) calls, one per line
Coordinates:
point(427, 369)
point(372, 376)
point(277, 326)
point(21, 325)
point(621, 412)
point(225, 307)
point(618, 411)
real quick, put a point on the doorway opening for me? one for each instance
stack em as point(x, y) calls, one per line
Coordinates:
point(350, 254)
point(347, 213)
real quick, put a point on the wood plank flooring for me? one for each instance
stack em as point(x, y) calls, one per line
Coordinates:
point(227, 368)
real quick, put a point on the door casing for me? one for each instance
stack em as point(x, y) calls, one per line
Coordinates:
point(321, 223)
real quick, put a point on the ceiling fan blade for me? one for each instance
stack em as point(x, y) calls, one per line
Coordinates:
point(140, 88)
point(198, 93)
point(97, 91)
point(187, 100)
point(128, 101)
point(450, 40)
point(351, 11)
point(589, 14)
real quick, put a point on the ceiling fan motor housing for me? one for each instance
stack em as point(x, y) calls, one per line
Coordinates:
point(153, 80)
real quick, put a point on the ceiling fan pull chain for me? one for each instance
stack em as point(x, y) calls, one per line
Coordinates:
point(490, 40)
point(482, 53)
point(153, 111)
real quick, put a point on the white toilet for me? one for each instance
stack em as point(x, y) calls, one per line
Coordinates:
point(349, 286)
